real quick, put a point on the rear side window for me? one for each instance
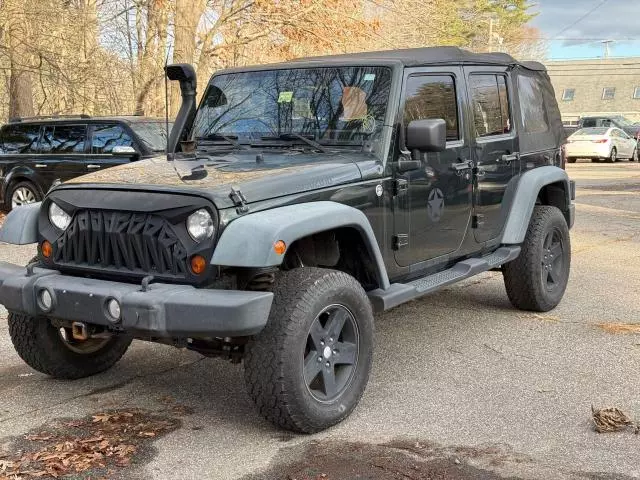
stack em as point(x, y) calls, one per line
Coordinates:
point(589, 122)
point(532, 105)
point(20, 139)
point(490, 103)
point(64, 139)
point(105, 137)
point(431, 97)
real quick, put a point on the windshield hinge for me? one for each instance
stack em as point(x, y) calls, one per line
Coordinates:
point(239, 200)
point(400, 240)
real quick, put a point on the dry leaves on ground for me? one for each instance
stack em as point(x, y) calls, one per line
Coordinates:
point(104, 441)
point(620, 327)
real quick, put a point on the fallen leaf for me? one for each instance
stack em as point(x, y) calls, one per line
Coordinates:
point(620, 327)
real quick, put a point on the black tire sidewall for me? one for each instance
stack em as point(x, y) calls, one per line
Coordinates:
point(31, 186)
point(274, 362)
point(40, 345)
point(321, 413)
point(554, 222)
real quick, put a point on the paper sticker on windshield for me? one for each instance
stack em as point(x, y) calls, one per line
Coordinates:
point(369, 77)
point(285, 97)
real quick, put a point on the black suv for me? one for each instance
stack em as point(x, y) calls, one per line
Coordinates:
point(295, 202)
point(36, 152)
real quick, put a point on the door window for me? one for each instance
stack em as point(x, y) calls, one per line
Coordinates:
point(431, 97)
point(490, 103)
point(61, 139)
point(105, 137)
point(19, 139)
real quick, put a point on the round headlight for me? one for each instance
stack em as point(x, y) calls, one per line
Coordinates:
point(59, 217)
point(200, 225)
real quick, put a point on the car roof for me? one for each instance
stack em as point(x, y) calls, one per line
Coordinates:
point(84, 119)
point(410, 57)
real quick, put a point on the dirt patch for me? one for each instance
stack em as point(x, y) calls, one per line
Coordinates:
point(397, 460)
point(91, 447)
point(620, 327)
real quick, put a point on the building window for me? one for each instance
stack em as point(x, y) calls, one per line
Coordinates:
point(608, 93)
point(636, 93)
point(568, 94)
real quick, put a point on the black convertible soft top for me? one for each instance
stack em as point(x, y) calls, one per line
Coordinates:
point(414, 57)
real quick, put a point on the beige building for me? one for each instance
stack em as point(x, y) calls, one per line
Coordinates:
point(597, 86)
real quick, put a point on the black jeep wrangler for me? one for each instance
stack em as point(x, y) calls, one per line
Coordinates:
point(298, 200)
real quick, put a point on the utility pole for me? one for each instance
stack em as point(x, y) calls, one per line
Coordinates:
point(605, 44)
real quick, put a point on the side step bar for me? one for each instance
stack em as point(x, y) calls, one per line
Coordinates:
point(399, 293)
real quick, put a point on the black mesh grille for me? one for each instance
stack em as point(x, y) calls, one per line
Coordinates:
point(127, 242)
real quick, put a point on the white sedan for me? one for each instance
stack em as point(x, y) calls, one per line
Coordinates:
point(599, 143)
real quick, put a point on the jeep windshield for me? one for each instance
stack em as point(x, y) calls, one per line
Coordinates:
point(331, 106)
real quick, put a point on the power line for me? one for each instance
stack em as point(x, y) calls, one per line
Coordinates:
point(580, 19)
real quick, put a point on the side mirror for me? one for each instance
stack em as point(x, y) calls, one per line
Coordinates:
point(427, 135)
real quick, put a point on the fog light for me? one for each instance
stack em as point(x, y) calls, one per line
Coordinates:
point(46, 300)
point(113, 308)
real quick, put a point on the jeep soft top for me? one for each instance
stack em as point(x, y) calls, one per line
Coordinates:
point(295, 201)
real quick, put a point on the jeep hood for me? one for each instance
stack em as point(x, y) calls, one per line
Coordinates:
point(259, 176)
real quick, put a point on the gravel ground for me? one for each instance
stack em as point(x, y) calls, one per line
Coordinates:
point(481, 388)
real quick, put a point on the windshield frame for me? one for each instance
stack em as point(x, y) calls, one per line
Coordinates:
point(382, 148)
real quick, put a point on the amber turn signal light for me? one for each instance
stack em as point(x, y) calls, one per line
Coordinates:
point(280, 247)
point(198, 264)
point(46, 249)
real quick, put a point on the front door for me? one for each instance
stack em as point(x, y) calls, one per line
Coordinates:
point(433, 203)
point(495, 146)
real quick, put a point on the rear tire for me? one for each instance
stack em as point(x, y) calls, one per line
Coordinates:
point(571, 160)
point(538, 278)
point(44, 349)
point(301, 374)
point(21, 193)
point(613, 156)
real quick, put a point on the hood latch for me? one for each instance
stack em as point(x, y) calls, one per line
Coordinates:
point(239, 200)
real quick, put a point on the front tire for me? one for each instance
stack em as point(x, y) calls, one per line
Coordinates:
point(634, 157)
point(538, 278)
point(44, 348)
point(308, 368)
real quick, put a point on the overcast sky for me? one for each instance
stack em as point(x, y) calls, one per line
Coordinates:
point(613, 20)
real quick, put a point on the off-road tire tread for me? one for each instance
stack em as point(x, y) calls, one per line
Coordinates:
point(26, 335)
point(263, 361)
point(522, 290)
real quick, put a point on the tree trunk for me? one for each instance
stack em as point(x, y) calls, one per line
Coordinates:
point(20, 81)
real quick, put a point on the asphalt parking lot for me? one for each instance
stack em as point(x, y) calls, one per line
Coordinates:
point(463, 385)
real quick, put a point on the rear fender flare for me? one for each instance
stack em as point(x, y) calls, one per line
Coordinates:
point(524, 200)
point(248, 241)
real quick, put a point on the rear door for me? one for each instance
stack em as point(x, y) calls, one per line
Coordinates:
point(109, 142)
point(63, 148)
point(494, 144)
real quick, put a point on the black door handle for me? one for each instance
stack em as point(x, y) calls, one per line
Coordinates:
point(459, 167)
point(506, 158)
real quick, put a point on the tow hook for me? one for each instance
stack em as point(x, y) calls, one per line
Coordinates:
point(79, 331)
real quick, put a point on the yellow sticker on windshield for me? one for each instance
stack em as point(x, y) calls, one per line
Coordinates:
point(285, 97)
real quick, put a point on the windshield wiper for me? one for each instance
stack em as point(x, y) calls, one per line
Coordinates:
point(302, 138)
point(230, 139)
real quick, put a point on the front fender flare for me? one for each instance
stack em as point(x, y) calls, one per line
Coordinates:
point(248, 241)
point(524, 200)
point(21, 225)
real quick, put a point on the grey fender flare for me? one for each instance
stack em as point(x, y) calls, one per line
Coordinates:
point(248, 240)
point(21, 225)
point(524, 199)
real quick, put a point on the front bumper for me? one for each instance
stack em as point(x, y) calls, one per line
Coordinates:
point(162, 310)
